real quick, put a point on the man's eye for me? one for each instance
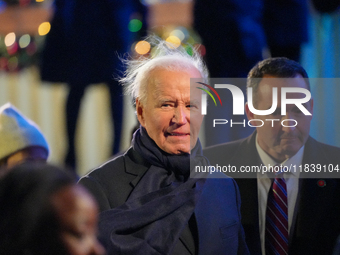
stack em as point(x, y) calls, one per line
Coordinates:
point(191, 106)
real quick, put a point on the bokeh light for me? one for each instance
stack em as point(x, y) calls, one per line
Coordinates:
point(184, 31)
point(13, 48)
point(3, 63)
point(178, 33)
point(44, 28)
point(189, 50)
point(201, 49)
point(24, 41)
point(135, 25)
point(142, 47)
point(39, 1)
point(173, 41)
point(23, 3)
point(12, 63)
point(10, 39)
point(191, 40)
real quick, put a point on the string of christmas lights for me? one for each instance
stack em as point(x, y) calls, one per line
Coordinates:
point(18, 51)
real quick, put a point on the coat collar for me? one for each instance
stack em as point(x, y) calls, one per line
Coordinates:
point(135, 165)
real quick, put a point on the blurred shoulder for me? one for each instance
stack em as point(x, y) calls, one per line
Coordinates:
point(328, 152)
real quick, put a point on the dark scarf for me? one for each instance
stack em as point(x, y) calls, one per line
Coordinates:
point(154, 216)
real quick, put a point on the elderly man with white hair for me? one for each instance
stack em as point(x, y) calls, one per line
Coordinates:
point(149, 203)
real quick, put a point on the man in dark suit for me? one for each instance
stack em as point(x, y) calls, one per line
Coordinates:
point(149, 204)
point(235, 33)
point(312, 200)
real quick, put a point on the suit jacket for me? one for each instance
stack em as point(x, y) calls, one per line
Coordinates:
point(217, 212)
point(317, 221)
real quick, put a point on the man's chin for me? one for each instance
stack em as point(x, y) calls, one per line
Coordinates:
point(183, 151)
point(290, 150)
point(178, 150)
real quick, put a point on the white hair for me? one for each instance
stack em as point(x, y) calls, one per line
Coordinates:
point(166, 56)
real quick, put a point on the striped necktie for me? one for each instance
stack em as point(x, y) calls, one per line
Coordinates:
point(276, 237)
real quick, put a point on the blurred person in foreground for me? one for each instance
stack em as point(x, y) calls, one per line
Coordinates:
point(303, 207)
point(44, 211)
point(148, 203)
point(20, 138)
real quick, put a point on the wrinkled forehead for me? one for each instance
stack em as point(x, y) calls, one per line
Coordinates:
point(173, 86)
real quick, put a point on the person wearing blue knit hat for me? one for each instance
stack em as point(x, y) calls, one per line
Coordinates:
point(20, 138)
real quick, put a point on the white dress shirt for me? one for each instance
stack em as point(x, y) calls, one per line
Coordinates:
point(264, 182)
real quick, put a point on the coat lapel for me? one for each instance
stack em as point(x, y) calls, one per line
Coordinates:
point(135, 166)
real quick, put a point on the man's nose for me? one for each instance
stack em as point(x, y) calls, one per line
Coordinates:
point(288, 124)
point(181, 115)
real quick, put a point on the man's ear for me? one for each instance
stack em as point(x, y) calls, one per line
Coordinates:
point(140, 112)
point(250, 115)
